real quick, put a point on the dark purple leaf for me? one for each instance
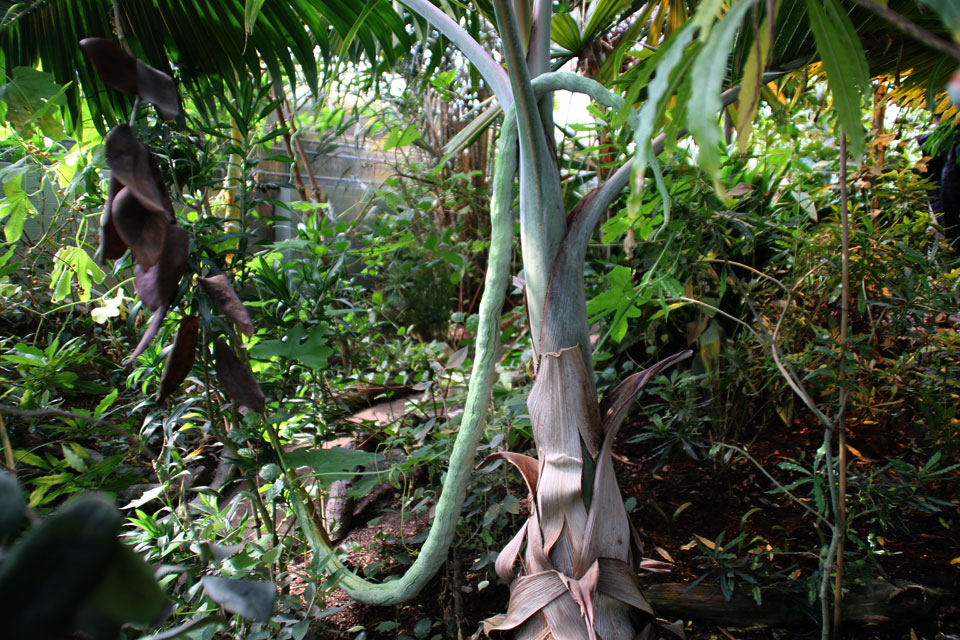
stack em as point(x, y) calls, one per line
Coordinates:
point(236, 379)
point(117, 67)
point(112, 247)
point(155, 323)
point(226, 299)
point(143, 230)
point(181, 357)
point(157, 285)
point(123, 72)
point(132, 164)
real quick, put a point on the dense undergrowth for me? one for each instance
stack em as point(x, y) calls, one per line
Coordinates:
point(380, 306)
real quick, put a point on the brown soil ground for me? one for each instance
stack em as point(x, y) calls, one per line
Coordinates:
point(916, 547)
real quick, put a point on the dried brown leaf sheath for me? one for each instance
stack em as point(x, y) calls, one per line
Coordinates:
point(236, 379)
point(181, 357)
point(226, 299)
point(123, 72)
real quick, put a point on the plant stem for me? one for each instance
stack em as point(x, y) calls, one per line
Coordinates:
point(7, 447)
point(844, 391)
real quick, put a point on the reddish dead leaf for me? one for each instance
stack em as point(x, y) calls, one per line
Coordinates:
point(143, 230)
point(181, 357)
point(236, 379)
point(157, 285)
point(123, 72)
point(226, 299)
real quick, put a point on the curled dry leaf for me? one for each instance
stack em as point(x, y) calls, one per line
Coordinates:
point(152, 329)
point(236, 379)
point(158, 284)
point(131, 163)
point(143, 230)
point(112, 246)
point(527, 466)
point(226, 299)
point(181, 357)
point(123, 72)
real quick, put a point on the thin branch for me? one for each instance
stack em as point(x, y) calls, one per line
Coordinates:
point(844, 389)
point(912, 29)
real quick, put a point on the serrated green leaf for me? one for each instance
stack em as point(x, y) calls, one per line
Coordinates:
point(657, 91)
point(706, 79)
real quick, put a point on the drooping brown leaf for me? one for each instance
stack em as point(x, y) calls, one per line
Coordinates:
point(117, 67)
point(157, 285)
point(143, 230)
point(529, 595)
point(608, 532)
point(155, 323)
point(181, 357)
point(226, 299)
point(508, 557)
point(131, 163)
point(619, 581)
point(236, 378)
point(616, 403)
point(527, 466)
point(112, 246)
point(123, 72)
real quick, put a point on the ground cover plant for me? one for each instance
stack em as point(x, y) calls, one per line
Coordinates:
point(311, 436)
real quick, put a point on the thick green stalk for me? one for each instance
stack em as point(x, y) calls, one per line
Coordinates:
point(434, 550)
point(542, 211)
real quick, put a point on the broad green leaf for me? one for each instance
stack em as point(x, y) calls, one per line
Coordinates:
point(32, 99)
point(601, 16)
point(657, 92)
point(949, 12)
point(310, 349)
point(331, 464)
point(145, 498)
point(73, 457)
point(14, 207)
point(70, 262)
point(248, 598)
point(110, 308)
point(565, 32)
point(749, 98)
point(706, 79)
point(845, 65)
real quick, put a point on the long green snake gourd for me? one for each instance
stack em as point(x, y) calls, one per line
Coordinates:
point(444, 526)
